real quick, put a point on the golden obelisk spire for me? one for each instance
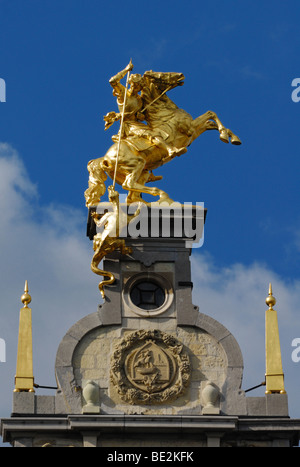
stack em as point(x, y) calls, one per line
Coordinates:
point(24, 380)
point(274, 373)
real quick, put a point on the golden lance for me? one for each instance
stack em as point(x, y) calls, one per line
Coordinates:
point(121, 127)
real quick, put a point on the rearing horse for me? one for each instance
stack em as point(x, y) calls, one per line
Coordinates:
point(138, 153)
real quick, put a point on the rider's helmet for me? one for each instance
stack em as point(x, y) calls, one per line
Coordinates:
point(136, 80)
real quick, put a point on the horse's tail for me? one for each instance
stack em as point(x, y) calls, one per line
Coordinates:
point(98, 256)
point(97, 177)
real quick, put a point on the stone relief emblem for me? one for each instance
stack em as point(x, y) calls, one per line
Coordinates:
point(150, 367)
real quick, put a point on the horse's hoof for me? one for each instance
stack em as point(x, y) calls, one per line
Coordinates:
point(176, 152)
point(154, 178)
point(180, 151)
point(235, 140)
point(224, 136)
point(164, 199)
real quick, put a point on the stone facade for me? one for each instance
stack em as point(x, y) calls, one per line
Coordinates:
point(149, 369)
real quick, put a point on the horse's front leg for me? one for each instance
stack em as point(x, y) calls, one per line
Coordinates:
point(208, 121)
point(225, 133)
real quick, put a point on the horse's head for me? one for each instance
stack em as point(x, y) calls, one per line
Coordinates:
point(163, 81)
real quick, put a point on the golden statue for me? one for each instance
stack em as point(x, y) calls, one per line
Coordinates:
point(153, 131)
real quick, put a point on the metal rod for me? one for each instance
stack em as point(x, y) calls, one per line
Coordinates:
point(121, 128)
point(44, 387)
point(258, 386)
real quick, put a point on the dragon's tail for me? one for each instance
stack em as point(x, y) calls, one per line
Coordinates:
point(94, 267)
point(109, 281)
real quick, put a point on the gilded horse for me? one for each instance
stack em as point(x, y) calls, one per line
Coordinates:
point(143, 147)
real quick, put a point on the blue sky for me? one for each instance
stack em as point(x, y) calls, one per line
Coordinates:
point(239, 60)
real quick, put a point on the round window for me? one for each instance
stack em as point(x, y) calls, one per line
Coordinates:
point(147, 295)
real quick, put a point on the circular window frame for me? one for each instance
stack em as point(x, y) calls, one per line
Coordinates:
point(157, 279)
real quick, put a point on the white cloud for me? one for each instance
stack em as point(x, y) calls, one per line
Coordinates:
point(47, 246)
point(235, 296)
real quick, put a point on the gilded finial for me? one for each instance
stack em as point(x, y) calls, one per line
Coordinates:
point(270, 300)
point(26, 298)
